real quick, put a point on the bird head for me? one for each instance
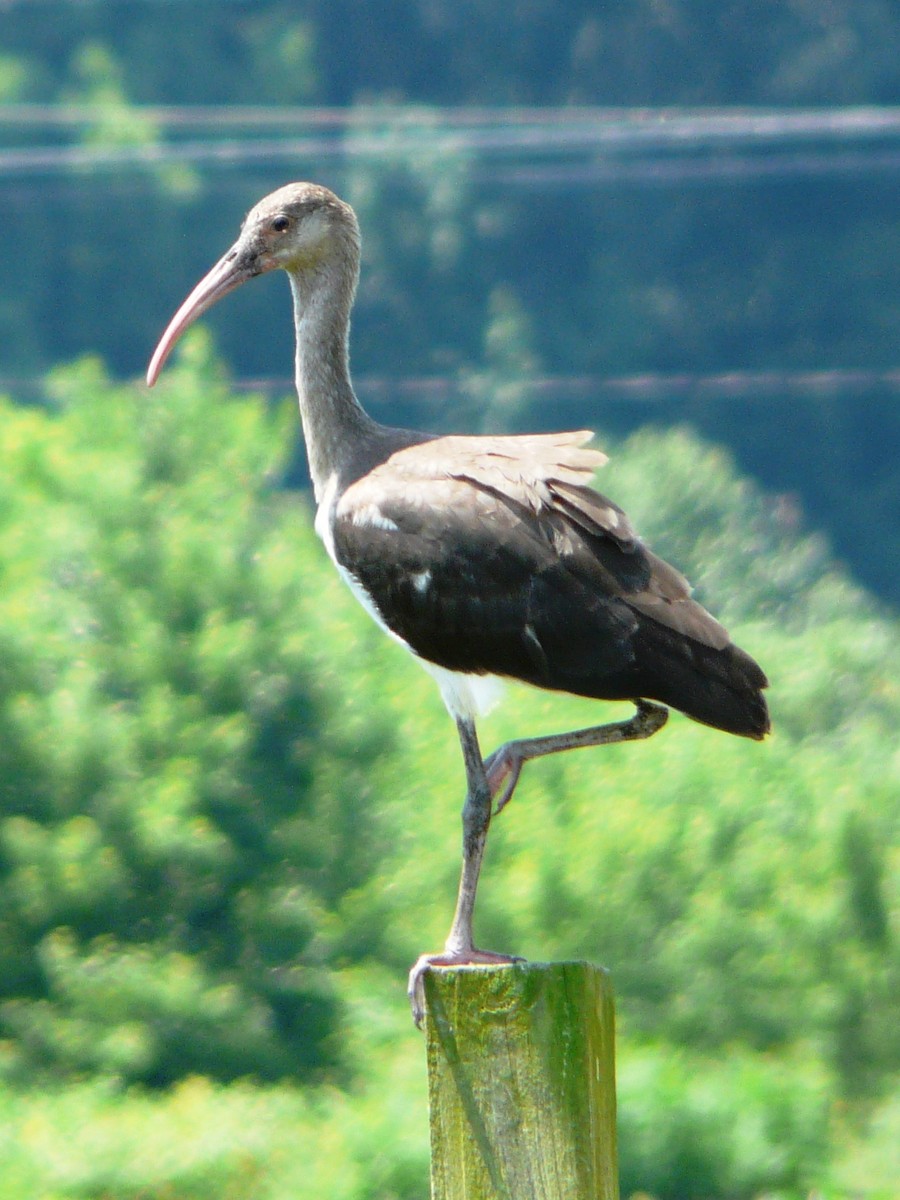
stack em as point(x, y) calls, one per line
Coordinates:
point(302, 228)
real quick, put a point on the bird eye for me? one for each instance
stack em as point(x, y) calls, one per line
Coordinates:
point(281, 224)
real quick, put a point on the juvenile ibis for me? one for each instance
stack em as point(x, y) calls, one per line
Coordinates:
point(485, 557)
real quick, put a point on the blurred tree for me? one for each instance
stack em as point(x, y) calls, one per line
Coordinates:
point(169, 848)
point(227, 800)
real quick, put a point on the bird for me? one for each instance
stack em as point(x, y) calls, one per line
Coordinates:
point(487, 557)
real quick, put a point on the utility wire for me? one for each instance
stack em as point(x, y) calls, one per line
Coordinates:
point(652, 387)
point(609, 123)
point(645, 387)
point(513, 145)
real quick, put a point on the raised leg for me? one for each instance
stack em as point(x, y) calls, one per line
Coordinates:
point(504, 766)
point(476, 819)
point(495, 780)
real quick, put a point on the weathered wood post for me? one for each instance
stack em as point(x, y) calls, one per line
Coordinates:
point(521, 1082)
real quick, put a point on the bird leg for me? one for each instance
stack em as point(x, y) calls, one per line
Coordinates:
point(459, 949)
point(504, 766)
point(496, 779)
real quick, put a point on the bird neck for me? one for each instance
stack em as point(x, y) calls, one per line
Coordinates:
point(334, 422)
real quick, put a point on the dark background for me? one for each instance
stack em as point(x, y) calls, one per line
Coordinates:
point(636, 260)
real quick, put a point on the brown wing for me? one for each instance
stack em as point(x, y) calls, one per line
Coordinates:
point(493, 555)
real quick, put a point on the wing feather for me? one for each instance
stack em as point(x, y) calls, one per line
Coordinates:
point(494, 555)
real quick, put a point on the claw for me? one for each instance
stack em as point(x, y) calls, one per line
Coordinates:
point(448, 958)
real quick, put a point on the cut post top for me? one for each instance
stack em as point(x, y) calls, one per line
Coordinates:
point(521, 1076)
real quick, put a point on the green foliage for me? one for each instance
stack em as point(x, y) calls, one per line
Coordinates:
point(228, 808)
point(168, 849)
point(745, 1126)
point(99, 83)
point(728, 866)
point(868, 1157)
point(200, 1142)
point(230, 821)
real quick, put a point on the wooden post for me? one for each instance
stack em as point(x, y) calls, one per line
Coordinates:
point(521, 1082)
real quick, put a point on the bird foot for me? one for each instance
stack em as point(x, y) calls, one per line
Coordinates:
point(503, 769)
point(448, 958)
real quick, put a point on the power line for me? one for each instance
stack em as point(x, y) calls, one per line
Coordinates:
point(512, 145)
point(732, 167)
point(643, 387)
point(648, 386)
point(663, 124)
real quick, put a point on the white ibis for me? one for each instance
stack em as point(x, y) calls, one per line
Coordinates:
point(483, 556)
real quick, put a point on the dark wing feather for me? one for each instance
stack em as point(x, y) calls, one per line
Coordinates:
point(494, 556)
point(471, 584)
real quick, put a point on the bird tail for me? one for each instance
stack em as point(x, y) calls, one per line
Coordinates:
point(721, 687)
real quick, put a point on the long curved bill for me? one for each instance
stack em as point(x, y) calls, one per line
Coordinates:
point(230, 272)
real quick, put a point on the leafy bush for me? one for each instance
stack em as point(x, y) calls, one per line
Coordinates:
point(743, 1126)
point(168, 851)
point(230, 821)
point(867, 1158)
